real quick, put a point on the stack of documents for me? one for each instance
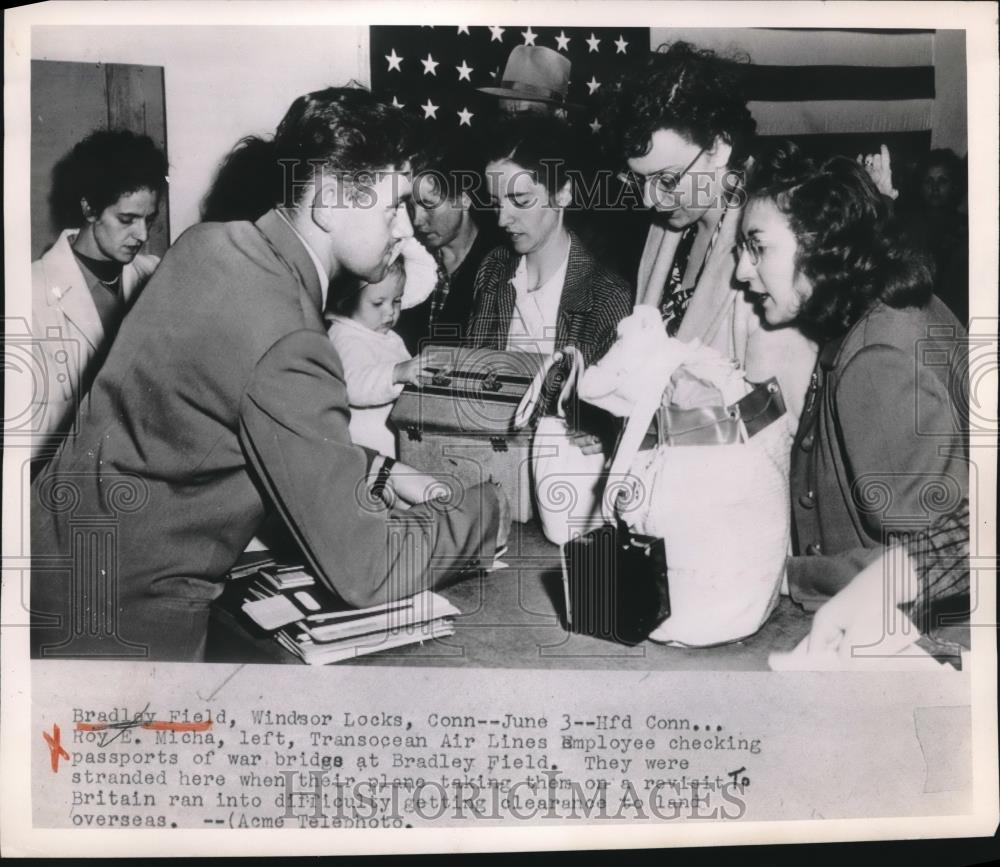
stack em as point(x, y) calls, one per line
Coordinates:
point(319, 627)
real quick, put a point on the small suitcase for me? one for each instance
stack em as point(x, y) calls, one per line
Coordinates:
point(460, 422)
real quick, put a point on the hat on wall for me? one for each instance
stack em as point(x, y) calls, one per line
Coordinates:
point(534, 73)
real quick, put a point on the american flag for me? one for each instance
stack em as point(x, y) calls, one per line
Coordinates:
point(832, 91)
point(433, 72)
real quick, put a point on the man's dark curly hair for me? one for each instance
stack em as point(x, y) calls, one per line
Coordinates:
point(848, 247)
point(342, 130)
point(694, 92)
point(346, 128)
point(103, 167)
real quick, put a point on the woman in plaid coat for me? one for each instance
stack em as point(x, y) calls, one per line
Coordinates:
point(546, 291)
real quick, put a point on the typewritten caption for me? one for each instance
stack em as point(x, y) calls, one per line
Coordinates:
point(326, 749)
point(291, 768)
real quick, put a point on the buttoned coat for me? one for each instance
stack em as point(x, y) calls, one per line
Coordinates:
point(880, 447)
point(221, 400)
point(70, 341)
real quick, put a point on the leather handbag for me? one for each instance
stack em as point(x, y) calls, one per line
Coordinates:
point(615, 584)
point(717, 425)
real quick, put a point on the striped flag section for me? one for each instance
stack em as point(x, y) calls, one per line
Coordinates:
point(832, 90)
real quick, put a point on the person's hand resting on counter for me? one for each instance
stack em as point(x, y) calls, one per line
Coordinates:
point(399, 485)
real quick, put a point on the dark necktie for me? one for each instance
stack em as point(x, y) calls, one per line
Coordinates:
point(675, 299)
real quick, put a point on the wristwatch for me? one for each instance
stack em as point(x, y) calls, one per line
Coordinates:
point(382, 478)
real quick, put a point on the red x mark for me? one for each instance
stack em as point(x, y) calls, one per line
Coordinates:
point(55, 748)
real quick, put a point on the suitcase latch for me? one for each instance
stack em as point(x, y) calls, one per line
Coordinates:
point(491, 382)
point(413, 432)
point(499, 444)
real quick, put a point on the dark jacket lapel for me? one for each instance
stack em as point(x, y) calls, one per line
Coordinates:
point(576, 298)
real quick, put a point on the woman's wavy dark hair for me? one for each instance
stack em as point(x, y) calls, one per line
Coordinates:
point(692, 91)
point(545, 146)
point(246, 185)
point(849, 248)
point(105, 166)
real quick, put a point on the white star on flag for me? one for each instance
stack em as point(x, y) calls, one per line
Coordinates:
point(595, 125)
point(394, 61)
point(397, 104)
point(529, 36)
point(462, 30)
point(621, 44)
point(496, 34)
point(593, 84)
point(430, 110)
point(562, 41)
point(430, 65)
point(463, 72)
point(465, 117)
point(593, 42)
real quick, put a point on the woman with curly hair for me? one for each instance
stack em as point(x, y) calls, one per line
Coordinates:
point(107, 191)
point(684, 130)
point(879, 450)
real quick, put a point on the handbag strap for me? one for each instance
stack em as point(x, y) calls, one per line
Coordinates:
point(572, 379)
point(631, 438)
point(529, 400)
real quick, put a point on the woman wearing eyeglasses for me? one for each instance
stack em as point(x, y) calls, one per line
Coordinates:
point(879, 449)
point(685, 131)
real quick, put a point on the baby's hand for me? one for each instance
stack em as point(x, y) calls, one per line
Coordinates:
point(409, 371)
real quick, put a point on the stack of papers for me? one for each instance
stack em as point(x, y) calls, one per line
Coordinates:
point(317, 626)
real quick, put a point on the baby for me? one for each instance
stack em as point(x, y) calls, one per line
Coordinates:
point(376, 362)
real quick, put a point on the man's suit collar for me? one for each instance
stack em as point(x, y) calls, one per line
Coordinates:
point(292, 250)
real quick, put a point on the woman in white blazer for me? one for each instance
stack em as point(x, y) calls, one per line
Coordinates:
point(82, 286)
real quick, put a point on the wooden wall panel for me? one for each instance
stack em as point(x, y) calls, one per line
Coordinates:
point(71, 100)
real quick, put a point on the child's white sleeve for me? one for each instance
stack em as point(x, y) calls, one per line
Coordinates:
point(368, 366)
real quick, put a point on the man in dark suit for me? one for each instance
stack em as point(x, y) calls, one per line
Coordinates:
point(223, 401)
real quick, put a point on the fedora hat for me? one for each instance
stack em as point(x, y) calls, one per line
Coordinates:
point(536, 74)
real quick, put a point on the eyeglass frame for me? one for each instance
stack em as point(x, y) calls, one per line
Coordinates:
point(743, 245)
point(659, 176)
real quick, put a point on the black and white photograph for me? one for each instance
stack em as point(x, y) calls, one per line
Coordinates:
point(479, 432)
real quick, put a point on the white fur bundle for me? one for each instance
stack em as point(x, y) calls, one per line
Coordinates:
point(421, 272)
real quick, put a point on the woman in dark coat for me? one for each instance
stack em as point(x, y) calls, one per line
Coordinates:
point(879, 451)
point(546, 290)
